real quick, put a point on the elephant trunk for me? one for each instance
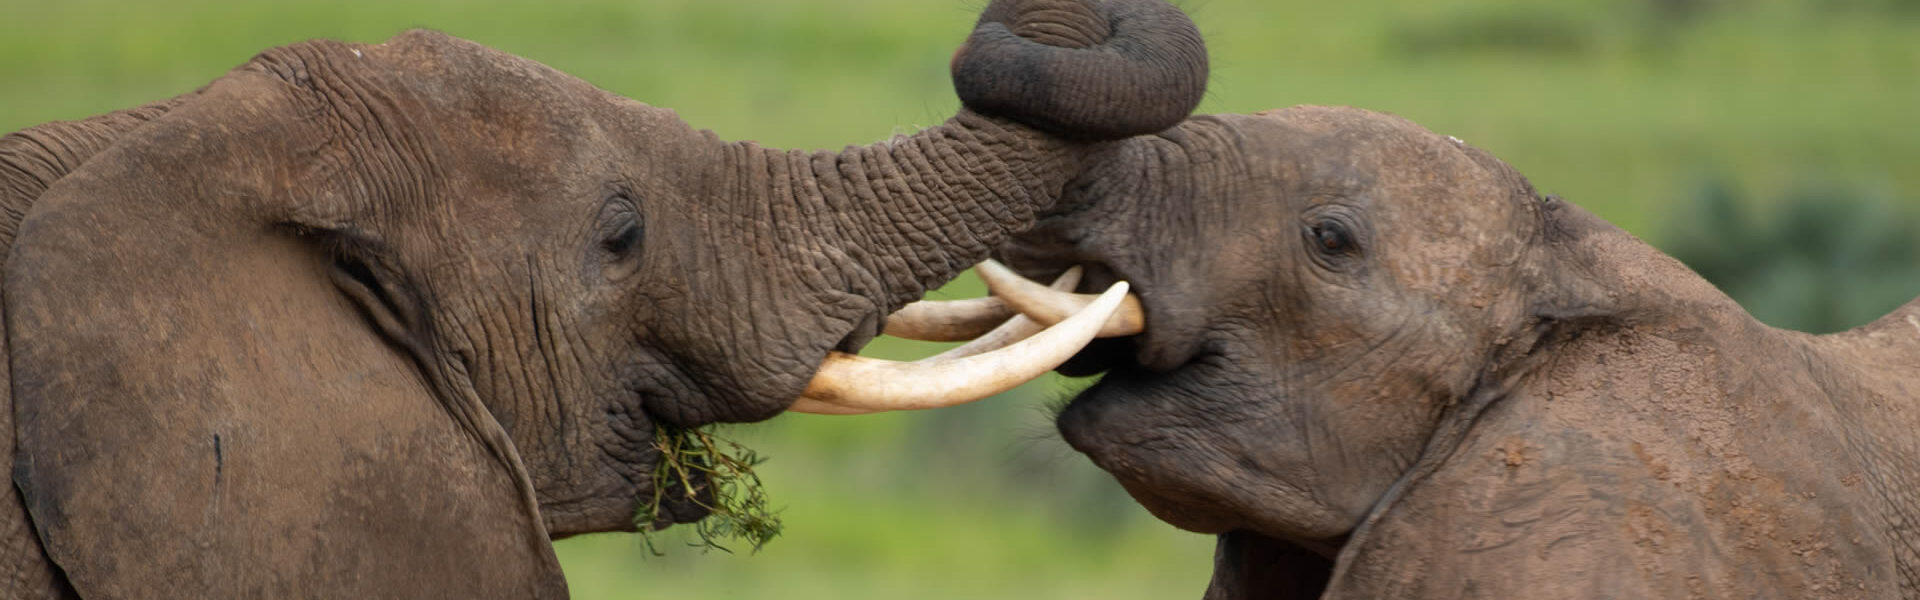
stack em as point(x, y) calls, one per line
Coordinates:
point(1044, 83)
point(1083, 70)
point(866, 230)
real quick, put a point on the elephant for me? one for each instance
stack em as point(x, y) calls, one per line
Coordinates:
point(383, 320)
point(1376, 363)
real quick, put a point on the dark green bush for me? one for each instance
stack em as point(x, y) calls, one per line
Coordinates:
point(1818, 259)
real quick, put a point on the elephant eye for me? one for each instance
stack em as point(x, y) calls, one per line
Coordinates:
point(1331, 237)
point(623, 230)
point(624, 239)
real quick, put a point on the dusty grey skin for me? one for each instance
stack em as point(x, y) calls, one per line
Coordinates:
point(381, 320)
point(1379, 365)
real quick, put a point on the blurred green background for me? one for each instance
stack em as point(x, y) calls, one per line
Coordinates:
point(1775, 145)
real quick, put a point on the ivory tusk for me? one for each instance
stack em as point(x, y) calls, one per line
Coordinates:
point(1050, 306)
point(852, 382)
point(1018, 328)
point(947, 320)
point(954, 320)
point(816, 407)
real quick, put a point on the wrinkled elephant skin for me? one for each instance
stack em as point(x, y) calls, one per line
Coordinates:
point(1379, 365)
point(380, 320)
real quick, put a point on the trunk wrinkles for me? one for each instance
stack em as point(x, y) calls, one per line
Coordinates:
point(891, 220)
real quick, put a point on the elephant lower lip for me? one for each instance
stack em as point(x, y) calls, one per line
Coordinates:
point(675, 513)
point(680, 499)
point(678, 505)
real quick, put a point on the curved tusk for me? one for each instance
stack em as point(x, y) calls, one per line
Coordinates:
point(852, 382)
point(947, 320)
point(956, 320)
point(1049, 306)
point(1018, 328)
point(816, 407)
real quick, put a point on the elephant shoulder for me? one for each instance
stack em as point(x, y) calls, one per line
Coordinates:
point(1580, 496)
point(1521, 508)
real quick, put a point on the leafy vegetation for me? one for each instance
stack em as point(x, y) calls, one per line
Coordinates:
point(716, 474)
point(1819, 259)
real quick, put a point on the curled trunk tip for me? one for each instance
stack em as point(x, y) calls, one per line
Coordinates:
point(1083, 69)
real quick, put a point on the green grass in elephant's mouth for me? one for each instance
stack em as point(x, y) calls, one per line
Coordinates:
point(715, 476)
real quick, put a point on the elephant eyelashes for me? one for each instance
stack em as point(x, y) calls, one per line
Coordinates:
point(624, 240)
point(622, 231)
point(378, 300)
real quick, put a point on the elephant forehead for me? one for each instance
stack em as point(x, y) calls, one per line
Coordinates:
point(479, 90)
point(1350, 151)
point(533, 117)
point(1441, 211)
point(1446, 235)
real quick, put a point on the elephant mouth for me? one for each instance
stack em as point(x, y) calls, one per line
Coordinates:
point(1135, 338)
point(1248, 565)
point(1103, 422)
point(683, 500)
point(1121, 425)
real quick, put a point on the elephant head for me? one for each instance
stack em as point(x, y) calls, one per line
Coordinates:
point(388, 317)
point(1331, 298)
point(1315, 281)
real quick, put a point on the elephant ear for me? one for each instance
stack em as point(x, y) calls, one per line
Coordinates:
point(203, 411)
point(31, 160)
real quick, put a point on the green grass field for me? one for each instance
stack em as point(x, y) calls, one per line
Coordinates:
point(1623, 106)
